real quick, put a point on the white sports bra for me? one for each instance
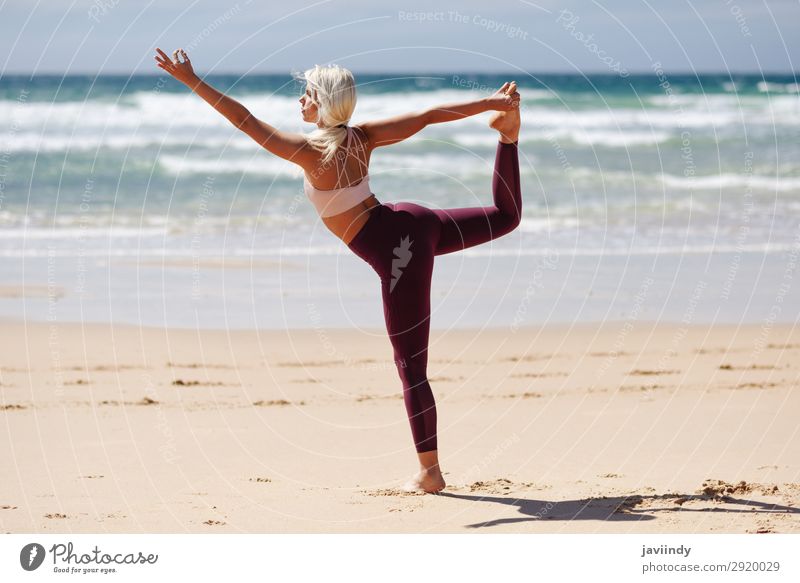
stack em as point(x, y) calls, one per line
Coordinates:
point(336, 201)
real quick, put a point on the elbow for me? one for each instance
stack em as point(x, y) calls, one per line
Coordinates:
point(426, 119)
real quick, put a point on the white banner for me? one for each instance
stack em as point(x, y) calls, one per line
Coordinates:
point(394, 557)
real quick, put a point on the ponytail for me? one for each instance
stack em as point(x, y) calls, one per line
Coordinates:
point(335, 91)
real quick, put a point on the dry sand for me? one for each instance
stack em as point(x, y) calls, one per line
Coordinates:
point(597, 428)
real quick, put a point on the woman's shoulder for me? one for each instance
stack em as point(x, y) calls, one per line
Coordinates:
point(363, 141)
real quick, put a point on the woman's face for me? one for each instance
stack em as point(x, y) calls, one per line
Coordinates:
point(308, 108)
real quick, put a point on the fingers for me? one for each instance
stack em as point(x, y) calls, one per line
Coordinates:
point(504, 87)
point(162, 58)
point(167, 63)
point(178, 55)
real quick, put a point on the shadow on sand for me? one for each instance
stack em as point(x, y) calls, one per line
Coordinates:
point(615, 508)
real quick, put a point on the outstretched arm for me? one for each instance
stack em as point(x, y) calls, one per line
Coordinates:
point(291, 146)
point(395, 129)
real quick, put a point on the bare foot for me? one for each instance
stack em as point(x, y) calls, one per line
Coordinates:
point(507, 122)
point(430, 481)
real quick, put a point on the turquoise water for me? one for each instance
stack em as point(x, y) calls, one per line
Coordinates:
point(129, 171)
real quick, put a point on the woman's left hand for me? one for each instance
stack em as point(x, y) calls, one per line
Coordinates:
point(504, 99)
point(181, 70)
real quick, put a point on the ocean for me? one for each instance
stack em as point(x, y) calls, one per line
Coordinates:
point(648, 197)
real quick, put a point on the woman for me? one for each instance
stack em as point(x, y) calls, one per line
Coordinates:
point(399, 240)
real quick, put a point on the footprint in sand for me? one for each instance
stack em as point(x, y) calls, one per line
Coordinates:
point(533, 357)
point(143, 401)
point(311, 363)
point(502, 486)
point(627, 388)
point(182, 383)
point(109, 367)
point(722, 489)
point(398, 395)
point(392, 492)
point(197, 365)
point(756, 385)
point(751, 367)
point(527, 395)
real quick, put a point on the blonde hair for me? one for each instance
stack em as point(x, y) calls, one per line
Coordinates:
point(336, 100)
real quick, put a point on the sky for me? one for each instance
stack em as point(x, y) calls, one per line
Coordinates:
point(541, 36)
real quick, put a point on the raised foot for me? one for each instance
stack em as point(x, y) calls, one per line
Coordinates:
point(507, 122)
point(430, 481)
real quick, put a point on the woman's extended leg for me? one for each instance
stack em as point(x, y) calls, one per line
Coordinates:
point(467, 227)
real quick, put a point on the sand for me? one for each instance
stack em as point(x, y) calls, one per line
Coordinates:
point(614, 428)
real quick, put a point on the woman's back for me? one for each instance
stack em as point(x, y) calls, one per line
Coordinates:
point(342, 183)
point(348, 166)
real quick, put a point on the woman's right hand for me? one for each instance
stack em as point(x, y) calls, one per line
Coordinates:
point(181, 70)
point(504, 99)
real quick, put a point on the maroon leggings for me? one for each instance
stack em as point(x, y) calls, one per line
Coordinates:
point(399, 240)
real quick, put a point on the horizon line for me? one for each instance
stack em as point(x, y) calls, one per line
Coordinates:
point(412, 73)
